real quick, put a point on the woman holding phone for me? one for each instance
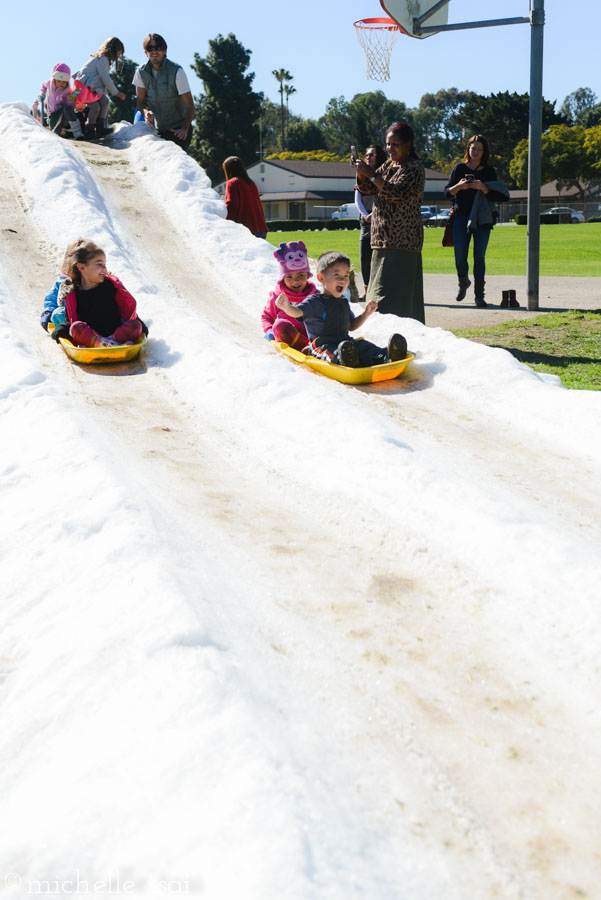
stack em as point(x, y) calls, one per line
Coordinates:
point(471, 175)
point(397, 235)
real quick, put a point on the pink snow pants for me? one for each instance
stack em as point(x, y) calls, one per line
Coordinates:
point(85, 336)
point(284, 332)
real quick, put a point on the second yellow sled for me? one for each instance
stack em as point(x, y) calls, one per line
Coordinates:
point(345, 374)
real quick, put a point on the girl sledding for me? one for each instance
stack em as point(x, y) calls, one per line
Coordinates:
point(88, 309)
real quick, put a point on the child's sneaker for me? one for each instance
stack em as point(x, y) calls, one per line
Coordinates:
point(397, 348)
point(348, 354)
point(108, 342)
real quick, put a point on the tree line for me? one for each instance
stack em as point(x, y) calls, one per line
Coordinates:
point(233, 119)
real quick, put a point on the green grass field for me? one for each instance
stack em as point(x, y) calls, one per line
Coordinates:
point(565, 344)
point(565, 249)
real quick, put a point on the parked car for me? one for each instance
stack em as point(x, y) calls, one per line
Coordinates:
point(346, 211)
point(575, 216)
point(428, 211)
point(441, 218)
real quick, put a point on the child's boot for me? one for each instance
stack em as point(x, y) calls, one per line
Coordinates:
point(348, 354)
point(397, 348)
point(76, 130)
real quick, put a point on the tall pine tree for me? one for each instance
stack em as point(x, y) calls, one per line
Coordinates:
point(227, 114)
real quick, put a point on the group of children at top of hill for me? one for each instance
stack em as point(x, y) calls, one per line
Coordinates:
point(81, 111)
point(326, 315)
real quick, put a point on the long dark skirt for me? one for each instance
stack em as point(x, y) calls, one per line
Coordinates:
point(365, 253)
point(397, 283)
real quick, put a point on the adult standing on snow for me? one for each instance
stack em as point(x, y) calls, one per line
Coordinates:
point(162, 87)
point(396, 281)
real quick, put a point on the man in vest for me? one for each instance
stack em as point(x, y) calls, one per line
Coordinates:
point(162, 87)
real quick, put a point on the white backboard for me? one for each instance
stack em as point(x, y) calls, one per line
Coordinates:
point(404, 11)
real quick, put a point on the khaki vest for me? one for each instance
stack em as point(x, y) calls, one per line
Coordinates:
point(161, 95)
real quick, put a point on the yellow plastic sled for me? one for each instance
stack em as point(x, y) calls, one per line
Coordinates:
point(345, 374)
point(118, 353)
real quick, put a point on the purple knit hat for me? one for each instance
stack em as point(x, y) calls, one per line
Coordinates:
point(61, 72)
point(292, 258)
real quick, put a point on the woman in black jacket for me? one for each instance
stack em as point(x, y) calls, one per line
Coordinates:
point(469, 176)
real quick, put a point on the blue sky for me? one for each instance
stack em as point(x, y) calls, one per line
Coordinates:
point(315, 40)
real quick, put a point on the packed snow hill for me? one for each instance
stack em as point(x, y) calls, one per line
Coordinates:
point(266, 636)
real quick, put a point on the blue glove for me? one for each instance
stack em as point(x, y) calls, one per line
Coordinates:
point(269, 336)
point(45, 318)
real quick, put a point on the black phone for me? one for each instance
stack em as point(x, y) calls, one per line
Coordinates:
point(469, 177)
point(354, 157)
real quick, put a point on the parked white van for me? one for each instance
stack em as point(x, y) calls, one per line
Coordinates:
point(346, 211)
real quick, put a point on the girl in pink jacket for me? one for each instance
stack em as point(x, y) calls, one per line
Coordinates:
point(295, 285)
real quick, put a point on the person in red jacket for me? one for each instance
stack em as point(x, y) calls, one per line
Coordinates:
point(242, 197)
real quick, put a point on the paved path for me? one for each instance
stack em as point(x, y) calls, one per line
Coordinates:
point(556, 295)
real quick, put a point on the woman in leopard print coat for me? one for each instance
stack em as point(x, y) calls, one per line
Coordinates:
point(397, 235)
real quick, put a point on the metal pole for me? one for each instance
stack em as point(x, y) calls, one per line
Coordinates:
point(430, 12)
point(487, 23)
point(537, 22)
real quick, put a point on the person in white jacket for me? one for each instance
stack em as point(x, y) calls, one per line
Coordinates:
point(94, 82)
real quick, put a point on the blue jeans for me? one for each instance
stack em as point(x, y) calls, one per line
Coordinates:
point(461, 243)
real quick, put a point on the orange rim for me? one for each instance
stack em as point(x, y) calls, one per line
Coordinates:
point(377, 23)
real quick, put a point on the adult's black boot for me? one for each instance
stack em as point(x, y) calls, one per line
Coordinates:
point(479, 295)
point(464, 283)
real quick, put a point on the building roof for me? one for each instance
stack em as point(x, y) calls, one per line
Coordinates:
point(333, 196)
point(317, 168)
point(434, 175)
point(547, 190)
point(313, 168)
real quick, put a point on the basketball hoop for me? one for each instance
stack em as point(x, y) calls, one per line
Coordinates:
point(377, 37)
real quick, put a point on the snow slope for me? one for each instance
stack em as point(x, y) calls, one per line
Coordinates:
point(264, 635)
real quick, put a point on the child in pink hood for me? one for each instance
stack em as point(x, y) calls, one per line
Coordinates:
point(294, 284)
point(59, 100)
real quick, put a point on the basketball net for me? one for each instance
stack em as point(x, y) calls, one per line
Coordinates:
point(377, 37)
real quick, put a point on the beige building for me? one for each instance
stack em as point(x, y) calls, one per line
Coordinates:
point(310, 189)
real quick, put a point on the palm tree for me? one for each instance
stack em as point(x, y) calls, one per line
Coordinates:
point(288, 89)
point(282, 75)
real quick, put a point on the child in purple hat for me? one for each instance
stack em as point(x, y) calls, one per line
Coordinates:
point(295, 286)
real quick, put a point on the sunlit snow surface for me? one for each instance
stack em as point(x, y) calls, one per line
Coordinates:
point(172, 718)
